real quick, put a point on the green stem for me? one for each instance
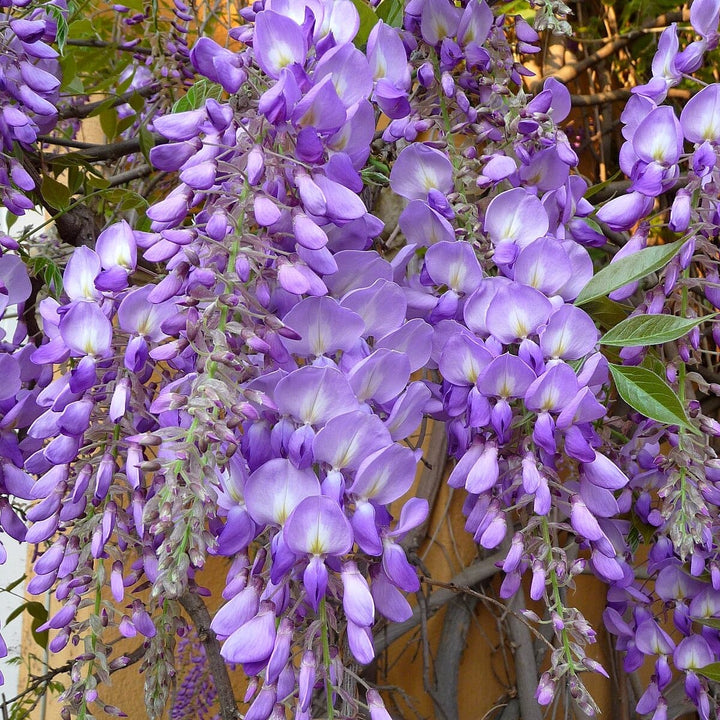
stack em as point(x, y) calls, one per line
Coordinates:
point(557, 600)
point(326, 658)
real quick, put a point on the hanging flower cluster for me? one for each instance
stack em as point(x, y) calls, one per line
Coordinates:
point(30, 80)
point(260, 399)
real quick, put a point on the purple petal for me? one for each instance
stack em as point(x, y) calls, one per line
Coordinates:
point(700, 118)
point(389, 601)
point(80, 273)
point(350, 73)
point(463, 359)
point(253, 641)
point(324, 327)
point(116, 246)
point(85, 330)
point(420, 168)
point(570, 334)
point(382, 307)
point(424, 226)
point(357, 600)
point(381, 376)
point(315, 395)
point(553, 389)
point(453, 264)
point(276, 488)
point(347, 439)
point(360, 642)
point(517, 311)
point(318, 526)
point(278, 42)
point(517, 217)
point(408, 410)
point(398, 569)
point(604, 473)
point(385, 475)
point(505, 377)
point(413, 338)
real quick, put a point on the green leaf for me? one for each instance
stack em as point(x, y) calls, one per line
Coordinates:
point(147, 142)
point(109, 122)
point(712, 622)
point(368, 20)
point(33, 608)
point(13, 584)
point(62, 25)
point(642, 330)
point(391, 12)
point(711, 671)
point(41, 638)
point(197, 94)
point(600, 186)
point(606, 312)
point(650, 395)
point(628, 269)
point(54, 193)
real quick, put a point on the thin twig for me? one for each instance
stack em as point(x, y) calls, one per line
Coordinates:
point(475, 573)
point(91, 43)
point(526, 673)
point(573, 70)
point(86, 109)
point(618, 95)
point(198, 612)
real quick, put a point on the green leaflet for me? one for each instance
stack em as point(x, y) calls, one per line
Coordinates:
point(650, 395)
point(628, 269)
point(642, 330)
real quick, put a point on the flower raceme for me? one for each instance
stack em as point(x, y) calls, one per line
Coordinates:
point(260, 399)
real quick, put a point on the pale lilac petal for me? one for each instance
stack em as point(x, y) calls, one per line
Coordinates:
point(439, 20)
point(507, 376)
point(85, 330)
point(604, 473)
point(14, 276)
point(517, 311)
point(381, 376)
point(318, 526)
point(360, 642)
point(463, 359)
point(349, 71)
point(420, 168)
point(387, 56)
point(624, 211)
point(658, 137)
point(385, 475)
point(533, 268)
point(382, 307)
point(424, 226)
point(453, 264)
point(407, 411)
point(347, 439)
point(276, 488)
point(389, 601)
point(278, 42)
point(570, 334)
point(515, 216)
point(80, 273)
point(137, 315)
point(553, 389)
point(314, 395)
point(253, 641)
point(357, 601)
point(700, 118)
point(116, 246)
point(413, 338)
point(324, 327)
